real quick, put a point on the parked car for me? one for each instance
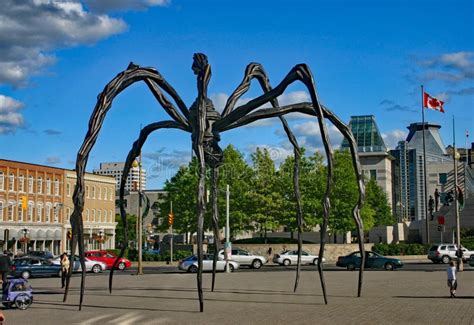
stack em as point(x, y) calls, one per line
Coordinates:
point(244, 258)
point(27, 267)
point(291, 257)
point(190, 264)
point(372, 261)
point(471, 260)
point(91, 266)
point(39, 254)
point(446, 252)
point(108, 258)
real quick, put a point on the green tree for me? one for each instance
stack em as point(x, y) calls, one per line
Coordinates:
point(119, 230)
point(376, 198)
point(265, 208)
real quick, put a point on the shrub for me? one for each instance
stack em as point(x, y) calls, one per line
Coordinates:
point(270, 240)
point(400, 249)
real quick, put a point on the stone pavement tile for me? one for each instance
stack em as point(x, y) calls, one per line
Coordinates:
point(256, 298)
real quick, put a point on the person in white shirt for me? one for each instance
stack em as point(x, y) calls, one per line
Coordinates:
point(452, 281)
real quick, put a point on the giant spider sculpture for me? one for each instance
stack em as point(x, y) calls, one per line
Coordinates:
point(205, 125)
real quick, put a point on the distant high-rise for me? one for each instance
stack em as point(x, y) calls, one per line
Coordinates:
point(115, 169)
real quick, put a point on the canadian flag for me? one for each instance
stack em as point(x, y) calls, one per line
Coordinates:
point(432, 102)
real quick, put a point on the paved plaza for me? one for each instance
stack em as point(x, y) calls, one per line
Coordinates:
point(411, 297)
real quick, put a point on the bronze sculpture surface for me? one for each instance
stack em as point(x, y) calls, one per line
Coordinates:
point(205, 124)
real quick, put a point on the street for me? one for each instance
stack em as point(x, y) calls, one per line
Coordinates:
point(256, 297)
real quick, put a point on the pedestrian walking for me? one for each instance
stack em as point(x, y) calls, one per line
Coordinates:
point(64, 269)
point(436, 195)
point(452, 281)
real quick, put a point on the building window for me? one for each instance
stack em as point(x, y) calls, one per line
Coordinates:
point(93, 215)
point(48, 212)
point(105, 193)
point(68, 214)
point(30, 184)
point(39, 185)
point(56, 186)
point(56, 212)
point(11, 210)
point(68, 189)
point(21, 183)
point(30, 212)
point(99, 216)
point(442, 178)
point(373, 174)
point(110, 194)
point(87, 191)
point(48, 186)
point(11, 182)
point(2, 181)
point(1, 210)
point(39, 212)
point(111, 218)
point(93, 192)
point(19, 211)
point(87, 215)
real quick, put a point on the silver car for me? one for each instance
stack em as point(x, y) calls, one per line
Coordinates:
point(91, 266)
point(291, 257)
point(190, 264)
point(244, 258)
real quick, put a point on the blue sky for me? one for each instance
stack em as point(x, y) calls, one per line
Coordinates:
point(367, 57)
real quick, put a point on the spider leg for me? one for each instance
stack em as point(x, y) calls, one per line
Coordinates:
point(301, 73)
point(256, 70)
point(215, 220)
point(306, 108)
point(132, 155)
point(104, 102)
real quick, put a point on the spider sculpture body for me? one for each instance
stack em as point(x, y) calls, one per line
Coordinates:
point(205, 125)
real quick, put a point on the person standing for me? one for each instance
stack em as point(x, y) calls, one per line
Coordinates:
point(452, 281)
point(431, 207)
point(436, 196)
point(64, 269)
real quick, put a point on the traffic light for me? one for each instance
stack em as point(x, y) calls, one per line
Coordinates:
point(170, 218)
point(69, 235)
point(24, 202)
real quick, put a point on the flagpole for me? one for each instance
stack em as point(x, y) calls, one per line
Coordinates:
point(424, 169)
point(456, 206)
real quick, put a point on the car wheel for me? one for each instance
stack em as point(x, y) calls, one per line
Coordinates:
point(25, 275)
point(96, 268)
point(315, 261)
point(286, 262)
point(121, 266)
point(389, 266)
point(193, 269)
point(445, 259)
point(231, 268)
point(351, 266)
point(23, 301)
point(256, 264)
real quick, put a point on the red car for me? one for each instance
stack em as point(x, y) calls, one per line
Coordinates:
point(108, 258)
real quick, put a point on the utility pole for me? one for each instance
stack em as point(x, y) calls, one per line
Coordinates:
point(139, 217)
point(228, 247)
point(456, 205)
point(171, 216)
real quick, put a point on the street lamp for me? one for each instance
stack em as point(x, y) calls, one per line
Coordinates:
point(101, 236)
point(25, 239)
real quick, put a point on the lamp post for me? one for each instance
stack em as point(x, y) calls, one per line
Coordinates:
point(25, 239)
point(101, 236)
point(228, 245)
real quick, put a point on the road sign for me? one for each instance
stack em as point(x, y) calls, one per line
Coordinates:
point(441, 228)
point(440, 220)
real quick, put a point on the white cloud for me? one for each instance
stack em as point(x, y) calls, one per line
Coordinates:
point(10, 117)
point(277, 153)
point(53, 160)
point(122, 5)
point(30, 30)
point(391, 138)
point(451, 67)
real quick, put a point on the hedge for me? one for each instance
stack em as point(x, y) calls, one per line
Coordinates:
point(269, 240)
point(132, 255)
point(401, 249)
